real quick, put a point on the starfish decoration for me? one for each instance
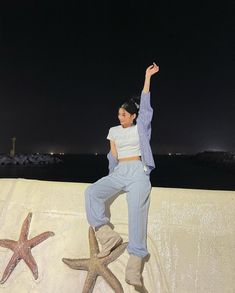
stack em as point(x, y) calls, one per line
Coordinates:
point(22, 249)
point(97, 266)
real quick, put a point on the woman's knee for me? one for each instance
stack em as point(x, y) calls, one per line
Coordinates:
point(142, 187)
point(88, 192)
point(91, 191)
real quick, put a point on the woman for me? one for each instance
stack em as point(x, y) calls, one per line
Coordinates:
point(130, 164)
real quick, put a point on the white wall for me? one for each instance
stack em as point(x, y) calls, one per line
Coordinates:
point(191, 238)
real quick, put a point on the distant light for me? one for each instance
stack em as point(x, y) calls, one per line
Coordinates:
point(95, 154)
point(38, 153)
point(52, 153)
point(169, 154)
point(61, 153)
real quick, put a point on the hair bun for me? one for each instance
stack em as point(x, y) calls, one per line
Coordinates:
point(132, 105)
point(136, 101)
point(137, 105)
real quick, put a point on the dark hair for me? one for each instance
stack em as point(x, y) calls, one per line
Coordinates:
point(132, 106)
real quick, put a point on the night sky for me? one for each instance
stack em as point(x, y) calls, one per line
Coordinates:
point(66, 67)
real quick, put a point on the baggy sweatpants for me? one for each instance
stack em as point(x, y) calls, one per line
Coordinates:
point(130, 177)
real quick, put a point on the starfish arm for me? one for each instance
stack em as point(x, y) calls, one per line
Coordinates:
point(94, 247)
point(89, 282)
point(40, 238)
point(25, 228)
point(31, 263)
point(115, 253)
point(77, 264)
point(11, 244)
point(10, 267)
point(111, 280)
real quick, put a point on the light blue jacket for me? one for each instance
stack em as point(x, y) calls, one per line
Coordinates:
point(143, 122)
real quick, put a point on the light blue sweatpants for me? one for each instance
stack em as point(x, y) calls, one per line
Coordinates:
point(130, 177)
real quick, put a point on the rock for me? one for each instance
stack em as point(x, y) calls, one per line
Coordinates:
point(29, 159)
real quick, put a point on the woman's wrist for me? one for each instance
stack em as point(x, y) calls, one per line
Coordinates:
point(147, 84)
point(147, 77)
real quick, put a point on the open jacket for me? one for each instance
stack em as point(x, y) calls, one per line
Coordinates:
point(143, 122)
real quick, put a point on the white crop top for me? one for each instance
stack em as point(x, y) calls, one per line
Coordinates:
point(126, 140)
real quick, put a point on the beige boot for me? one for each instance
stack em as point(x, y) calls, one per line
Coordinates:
point(108, 239)
point(133, 271)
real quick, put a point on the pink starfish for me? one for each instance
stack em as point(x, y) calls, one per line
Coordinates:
point(22, 249)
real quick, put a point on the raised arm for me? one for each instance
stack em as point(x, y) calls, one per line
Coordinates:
point(151, 70)
point(145, 111)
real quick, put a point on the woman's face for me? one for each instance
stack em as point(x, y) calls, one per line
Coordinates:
point(125, 118)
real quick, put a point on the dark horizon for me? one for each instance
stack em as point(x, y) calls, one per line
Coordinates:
point(104, 154)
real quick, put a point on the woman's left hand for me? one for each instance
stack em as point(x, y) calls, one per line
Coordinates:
point(152, 69)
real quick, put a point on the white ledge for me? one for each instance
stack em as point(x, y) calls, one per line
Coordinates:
point(191, 238)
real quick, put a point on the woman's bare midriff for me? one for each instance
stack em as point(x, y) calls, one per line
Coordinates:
point(130, 158)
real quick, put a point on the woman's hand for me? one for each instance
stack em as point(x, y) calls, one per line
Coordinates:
point(151, 70)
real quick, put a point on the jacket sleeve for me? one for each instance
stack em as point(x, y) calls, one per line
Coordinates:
point(145, 113)
point(112, 161)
